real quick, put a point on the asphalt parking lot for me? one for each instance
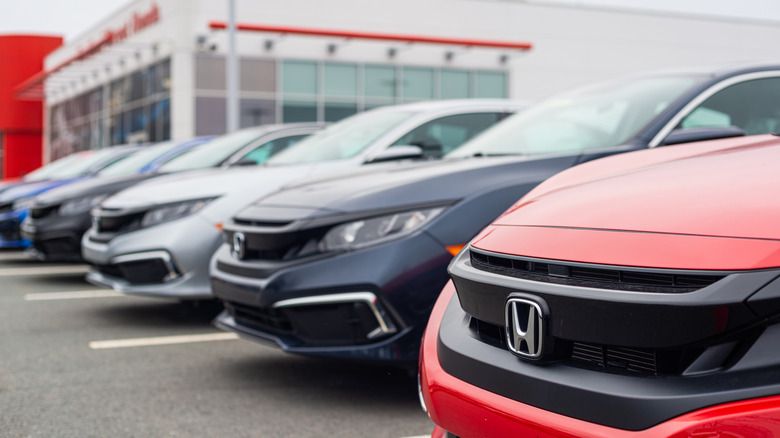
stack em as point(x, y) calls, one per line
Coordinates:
point(80, 361)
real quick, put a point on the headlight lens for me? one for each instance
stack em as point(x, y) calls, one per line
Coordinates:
point(80, 205)
point(358, 234)
point(22, 203)
point(172, 211)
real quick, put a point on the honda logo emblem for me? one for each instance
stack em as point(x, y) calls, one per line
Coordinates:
point(525, 326)
point(238, 249)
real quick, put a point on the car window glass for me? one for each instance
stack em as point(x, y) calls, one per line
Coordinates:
point(753, 106)
point(213, 153)
point(343, 139)
point(52, 168)
point(444, 134)
point(261, 153)
point(134, 162)
point(599, 116)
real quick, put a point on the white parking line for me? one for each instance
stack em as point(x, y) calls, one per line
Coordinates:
point(59, 270)
point(162, 340)
point(419, 436)
point(72, 295)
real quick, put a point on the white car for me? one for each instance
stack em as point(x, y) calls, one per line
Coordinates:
point(156, 238)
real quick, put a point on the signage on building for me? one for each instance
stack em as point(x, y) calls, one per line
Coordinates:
point(136, 23)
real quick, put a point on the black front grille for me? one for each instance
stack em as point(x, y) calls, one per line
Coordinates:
point(267, 224)
point(42, 212)
point(6, 207)
point(595, 277)
point(279, 246)
point(607, 358)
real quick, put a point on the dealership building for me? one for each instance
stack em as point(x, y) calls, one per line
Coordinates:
point(156, 69)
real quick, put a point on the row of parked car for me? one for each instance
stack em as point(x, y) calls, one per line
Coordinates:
point(614, 297)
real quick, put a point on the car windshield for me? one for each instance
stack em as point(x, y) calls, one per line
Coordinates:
point(52, 168)
point(133, 163)
point(344, 139)
point(84, 164)
point(604, 115)
point(213, 153)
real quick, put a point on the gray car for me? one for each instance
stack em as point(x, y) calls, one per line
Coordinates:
point(156, 238)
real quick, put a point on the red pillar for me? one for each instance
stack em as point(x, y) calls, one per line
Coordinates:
point(21, 121)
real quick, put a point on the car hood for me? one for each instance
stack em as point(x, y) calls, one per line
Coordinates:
point(702, 206)
point(728, 184)
point(90, 187)
point(378, 187)
point(25, 190)
point(233, 188)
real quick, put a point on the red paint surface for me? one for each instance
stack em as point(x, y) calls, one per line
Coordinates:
point(469, 411)
point(21, 121)
point(375, 36)
point(703, 206)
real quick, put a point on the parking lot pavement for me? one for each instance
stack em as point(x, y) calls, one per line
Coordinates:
point(79, 361)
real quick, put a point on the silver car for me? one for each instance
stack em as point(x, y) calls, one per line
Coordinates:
point(156, 238)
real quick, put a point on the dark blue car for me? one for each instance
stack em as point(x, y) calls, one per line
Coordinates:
point(350, 266)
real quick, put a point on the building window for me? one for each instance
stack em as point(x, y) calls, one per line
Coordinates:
point(490, 84)
point(417, 83)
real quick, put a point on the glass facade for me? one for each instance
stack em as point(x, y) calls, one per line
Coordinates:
point(288, 91)
point(133, 108)
point(136, 107)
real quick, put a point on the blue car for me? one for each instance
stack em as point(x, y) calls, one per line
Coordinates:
point(118, 160)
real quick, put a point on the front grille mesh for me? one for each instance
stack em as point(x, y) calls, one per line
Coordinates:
point(603, 278)
point(606, 358)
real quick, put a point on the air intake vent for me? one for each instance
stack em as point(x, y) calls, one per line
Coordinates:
point(633, 280)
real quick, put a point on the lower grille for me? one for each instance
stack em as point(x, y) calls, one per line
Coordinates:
point(316, 325)
point(150, 271)
point(263, 319)
point(64, 245)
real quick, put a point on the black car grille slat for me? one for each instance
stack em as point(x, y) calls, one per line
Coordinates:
point(260, 318)
point(594, 277)
point(267, 224)
point(6, 207)
point(605, 358)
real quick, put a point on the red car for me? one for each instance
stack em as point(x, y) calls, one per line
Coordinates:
point(633, 296)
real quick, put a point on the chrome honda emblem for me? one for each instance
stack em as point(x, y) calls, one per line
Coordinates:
point(525, 327)
point(96, 223)
point(238, 249)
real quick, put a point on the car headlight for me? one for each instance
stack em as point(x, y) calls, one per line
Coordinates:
point(80, 205)
point(358, 234)
point(173, 211)
point(22, 203)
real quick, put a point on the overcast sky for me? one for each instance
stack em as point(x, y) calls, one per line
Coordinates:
point(71, 18)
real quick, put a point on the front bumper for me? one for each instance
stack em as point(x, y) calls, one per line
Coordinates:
point(56, 238)
point(467, 410)
point(370, 304)
point(10, 230)
point(169, 260)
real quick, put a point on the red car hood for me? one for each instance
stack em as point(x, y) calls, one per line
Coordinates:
point(703, 206)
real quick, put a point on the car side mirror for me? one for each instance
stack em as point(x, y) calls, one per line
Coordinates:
point(689, 135)
point(398, 153)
